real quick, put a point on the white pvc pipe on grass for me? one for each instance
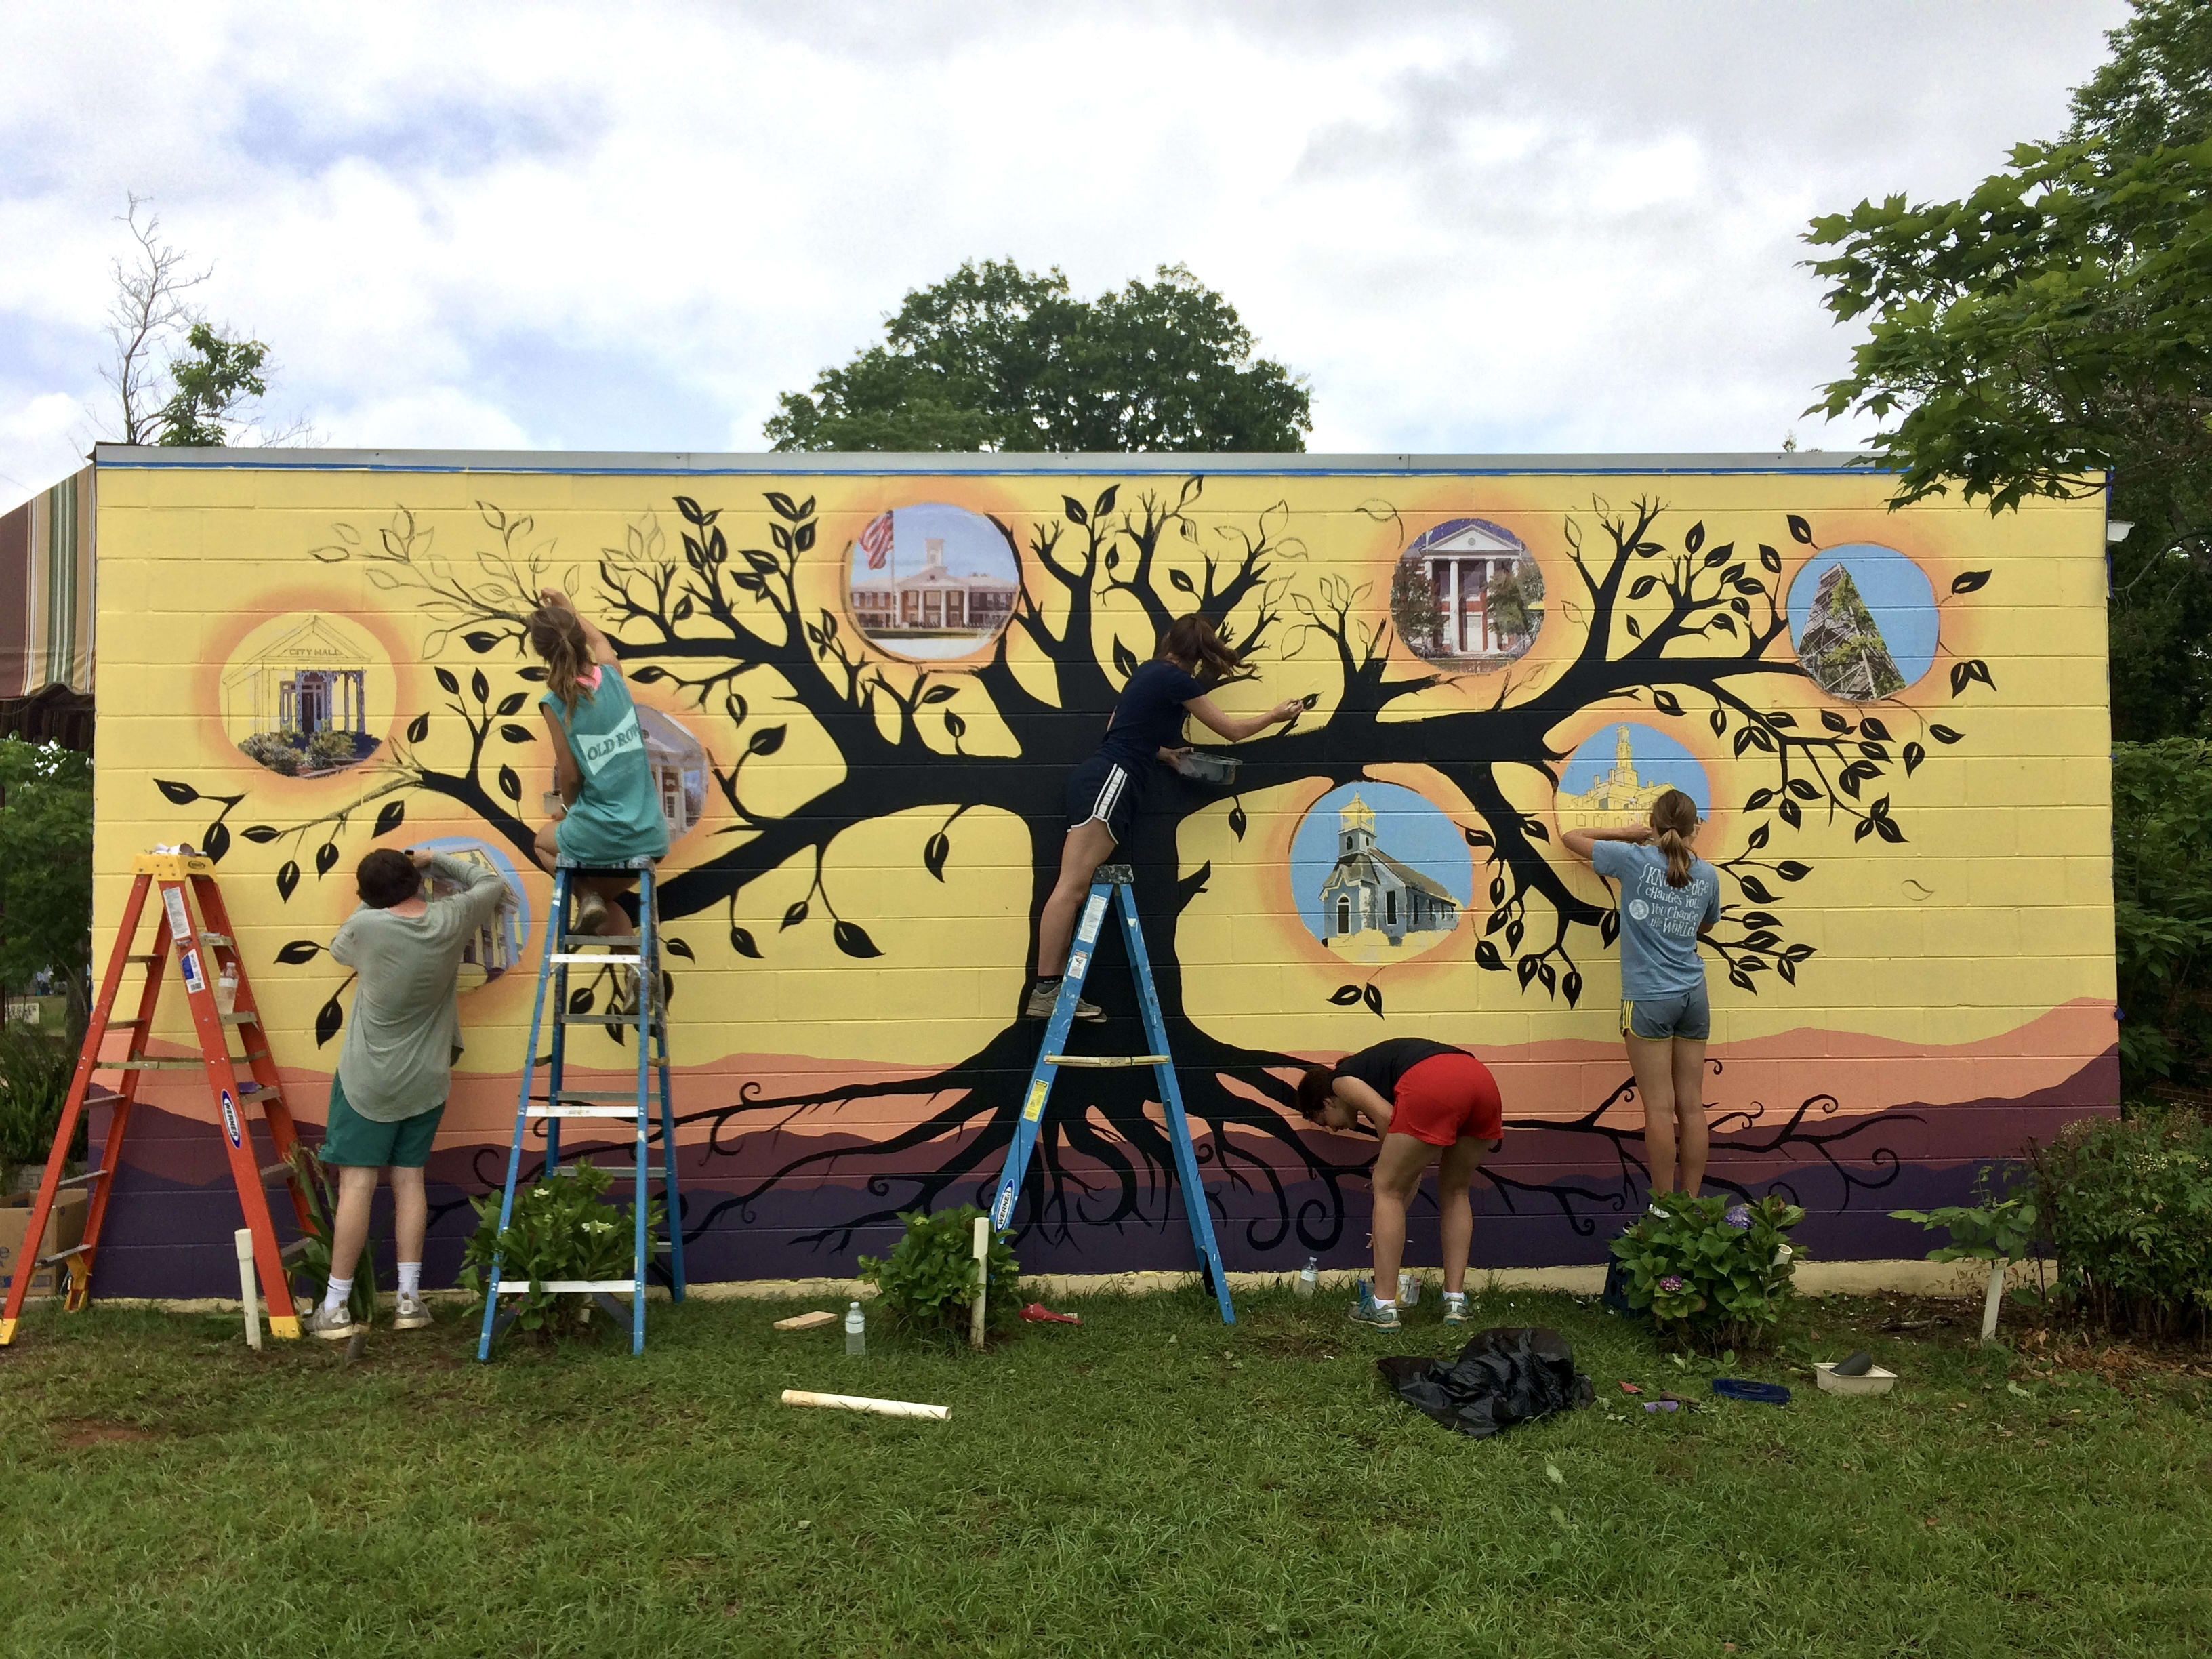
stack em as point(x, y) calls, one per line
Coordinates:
point(853, 1402)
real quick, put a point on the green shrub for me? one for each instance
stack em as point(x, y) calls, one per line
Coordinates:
point(1996, 1230)
point(311, 1268)
point(273, 750)
point(928, 1280)
point(2162, 908)
point(330, 747)
point(560, 1228)
point(1713, 1273)
point(2127, 1205)
point(34, 1081)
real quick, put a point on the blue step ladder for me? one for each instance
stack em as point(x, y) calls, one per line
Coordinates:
point(638, 960)
point(1111, 884)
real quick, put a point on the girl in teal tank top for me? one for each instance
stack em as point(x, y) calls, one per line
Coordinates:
point(613, 807)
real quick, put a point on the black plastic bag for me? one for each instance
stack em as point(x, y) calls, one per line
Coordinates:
point(1507, 1374)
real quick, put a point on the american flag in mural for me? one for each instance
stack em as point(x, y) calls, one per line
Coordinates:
point(876, 542)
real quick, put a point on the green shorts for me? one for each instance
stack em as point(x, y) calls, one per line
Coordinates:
point(353, 1141)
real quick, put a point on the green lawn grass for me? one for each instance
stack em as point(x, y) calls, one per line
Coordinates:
point(1148, 1483)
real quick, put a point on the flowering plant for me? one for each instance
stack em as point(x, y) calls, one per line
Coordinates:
point(1712, 1275)
point(561, 1228)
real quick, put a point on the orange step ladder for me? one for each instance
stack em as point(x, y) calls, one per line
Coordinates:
point(191, 923)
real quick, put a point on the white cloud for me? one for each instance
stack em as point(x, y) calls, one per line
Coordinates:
point(1513, 227)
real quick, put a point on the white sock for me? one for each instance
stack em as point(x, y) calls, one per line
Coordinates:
point(410, 1279)
point(1454, 1296)
point(336, 1295)
point(1383, 1302)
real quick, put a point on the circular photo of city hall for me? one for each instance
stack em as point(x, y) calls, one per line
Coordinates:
point(307, 694)
point(1467, 596)
point(931, 581)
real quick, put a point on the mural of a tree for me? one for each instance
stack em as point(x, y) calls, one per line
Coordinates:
point(1656, 618)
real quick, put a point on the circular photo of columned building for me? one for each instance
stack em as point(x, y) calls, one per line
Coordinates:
point(931, 581)
point(1467, 596)
point(307, 694)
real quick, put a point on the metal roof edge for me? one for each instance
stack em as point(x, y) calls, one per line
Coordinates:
point(1000, 464)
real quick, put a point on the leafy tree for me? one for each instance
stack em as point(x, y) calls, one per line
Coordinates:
point(996, 358)
point(210, 383)
point(2056, 322)
point(2162, 908)
point(1416, 610)
point(45, 867)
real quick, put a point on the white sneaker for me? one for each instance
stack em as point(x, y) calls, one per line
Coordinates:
point(409, 1313)
point(331, 1324)
point(588, 915)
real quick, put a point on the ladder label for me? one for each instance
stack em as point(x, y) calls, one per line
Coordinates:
point(1078, 965)
point(230, 1120)
point(1093, 914)
point(190, 962)
point(180, 925)
point(1035, 1109)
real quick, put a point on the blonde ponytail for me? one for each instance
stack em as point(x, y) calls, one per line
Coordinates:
point(1673, 821)
point(557, 635)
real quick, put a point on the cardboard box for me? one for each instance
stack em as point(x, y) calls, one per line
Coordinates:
point(65, 1229)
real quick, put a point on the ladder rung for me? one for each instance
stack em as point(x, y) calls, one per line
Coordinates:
point(64, 1255)
point(123, 1025)
point(626, 1171)
point(291, 1253)
point(84, 1179)
point(269, 1170)
point(571, 941)
point(630, 1112)
point(597, 1094)
point(258, 1092)
point(568, 1286)
point(141, 962)
point(625, 1020)
point(563, 960)
point(241, 1019)
point(159, 1065)
point(215, 941)
point(1103, 1061)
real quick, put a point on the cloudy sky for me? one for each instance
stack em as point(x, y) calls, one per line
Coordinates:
point(1523, 225)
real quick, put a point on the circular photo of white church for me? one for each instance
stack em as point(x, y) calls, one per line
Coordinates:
point(931, 581)
point(1467, 596)
point(1379, 873)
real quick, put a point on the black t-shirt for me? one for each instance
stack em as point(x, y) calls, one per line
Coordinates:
point(1381, 1066)
point(1149, 717)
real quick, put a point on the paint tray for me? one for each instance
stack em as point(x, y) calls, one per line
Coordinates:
point(1876, 1381)
point(1207, 767)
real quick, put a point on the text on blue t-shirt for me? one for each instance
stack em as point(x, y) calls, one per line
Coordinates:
point(1659, 924)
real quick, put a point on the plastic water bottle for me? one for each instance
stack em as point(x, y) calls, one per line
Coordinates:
point(1409, 1287)
point(1310, 1276)
point(225, 990)
point(856, 1331)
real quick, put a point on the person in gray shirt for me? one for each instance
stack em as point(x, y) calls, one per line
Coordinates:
point(396, 1068)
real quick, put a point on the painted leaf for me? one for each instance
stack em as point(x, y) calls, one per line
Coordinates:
point(1073, 508)
point(1914, 754)
point(448, 680)
point(1237, 822)
point(1769, 558)
point(288, 877)
point(1695, 537)
point(298, 951)
point(741, 941)
point(177, 795)
point(1788, 870)
point(1487, 957)
point(1345, 996)
point(260, 834)
point(934, 852)
point(676, 947)
point(512, 703)
point(326, 858)
point(216, 842)
point(1666, 702)
point(390, 818)
point(418, 728)
point(513, 733)
point(328, 1018)
point(853, 939)
point(479, 641)
point(1372, 996)
point(785, 507)
point(1125, 661)
point(1944, 735)
point(1800, 531)
point(1970, 580)
point(794, 914)
point(510, 784)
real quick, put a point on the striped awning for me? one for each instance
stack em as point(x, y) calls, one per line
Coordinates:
point(46, 591)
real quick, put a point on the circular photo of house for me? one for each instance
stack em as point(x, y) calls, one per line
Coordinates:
point(679, 766)
point(1467, 596)
point(1379, 873)
point(1616, 775)
point(498, 945)
point(1863, 620)
point(931, 581)
point(307, 694)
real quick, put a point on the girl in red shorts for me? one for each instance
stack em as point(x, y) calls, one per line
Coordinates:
point(1430, 1103)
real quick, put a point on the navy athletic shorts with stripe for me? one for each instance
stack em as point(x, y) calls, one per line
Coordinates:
point(1107, 790)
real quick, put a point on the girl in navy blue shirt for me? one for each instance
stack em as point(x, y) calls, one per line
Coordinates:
point(1104, 792)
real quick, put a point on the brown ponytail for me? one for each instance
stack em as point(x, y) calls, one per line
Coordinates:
point(1197, 641)
point(1673, 821)
point(556, 635)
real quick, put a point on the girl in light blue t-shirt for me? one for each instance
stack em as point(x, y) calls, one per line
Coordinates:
point(1668, 897)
